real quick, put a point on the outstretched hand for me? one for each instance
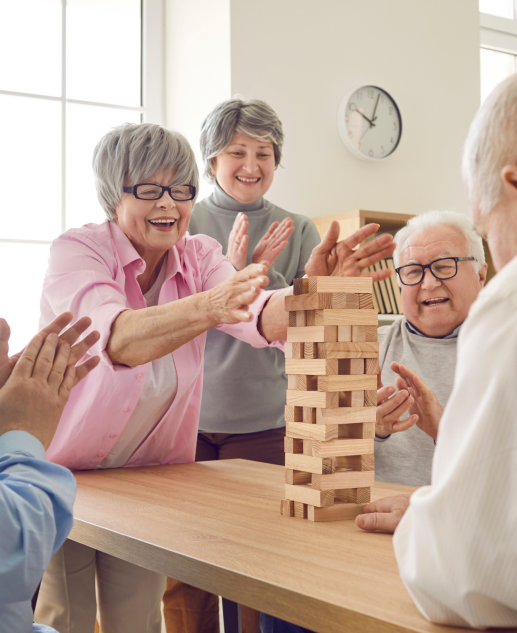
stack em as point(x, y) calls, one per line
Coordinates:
point(40, 383)
point(269, 247)
point(340, 259)
point(425, 406)
point(383, 515)
point(391, 406)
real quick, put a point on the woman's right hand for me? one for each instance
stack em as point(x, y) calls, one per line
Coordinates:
point(238, 242)
point(229, 301)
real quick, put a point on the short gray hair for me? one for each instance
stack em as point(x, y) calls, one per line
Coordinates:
point(138, 151)
point(491, 144)
point(254, 118)
point(462, 223)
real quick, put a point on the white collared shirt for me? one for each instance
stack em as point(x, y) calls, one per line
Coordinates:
point(456, 546)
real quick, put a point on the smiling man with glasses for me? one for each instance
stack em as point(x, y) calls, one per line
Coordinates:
point(440, 269)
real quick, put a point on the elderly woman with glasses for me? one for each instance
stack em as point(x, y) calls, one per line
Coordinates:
point(152, 291)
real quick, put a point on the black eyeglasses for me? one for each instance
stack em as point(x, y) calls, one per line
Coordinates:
point(445, 268)
point(150, 191)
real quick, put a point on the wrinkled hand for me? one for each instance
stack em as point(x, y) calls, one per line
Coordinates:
point(391, 405)
point(55, 327)
point(39, 386)
point(384, 514)
point(238, 242)
point(425, 406)
point(228, 302)
point(273, 242)
point(340, 259)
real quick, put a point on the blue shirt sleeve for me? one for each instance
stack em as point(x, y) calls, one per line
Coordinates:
point(36, 499)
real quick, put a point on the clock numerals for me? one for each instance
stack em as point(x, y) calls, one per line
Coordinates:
point(371, 93)
point(390, 110)
point(352, 106)
point(383, 151)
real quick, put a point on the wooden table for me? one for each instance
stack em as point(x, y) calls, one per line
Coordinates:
point(216, 525)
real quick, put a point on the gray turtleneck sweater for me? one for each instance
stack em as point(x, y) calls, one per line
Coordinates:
point(244, 388)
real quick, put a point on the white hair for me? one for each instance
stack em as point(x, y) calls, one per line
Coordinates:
point(460, 222)
point(491, 144)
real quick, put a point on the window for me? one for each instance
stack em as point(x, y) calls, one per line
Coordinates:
point(71, 70)
point(498, 42)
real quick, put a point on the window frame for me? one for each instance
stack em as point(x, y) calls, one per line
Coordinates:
point(152, 108)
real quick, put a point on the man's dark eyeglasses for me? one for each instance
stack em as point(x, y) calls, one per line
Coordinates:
point(150, 191)
point(445, 268)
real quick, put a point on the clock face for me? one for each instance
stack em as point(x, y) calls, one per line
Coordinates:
point(369, 122)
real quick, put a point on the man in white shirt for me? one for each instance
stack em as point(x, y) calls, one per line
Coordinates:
point(455, 541)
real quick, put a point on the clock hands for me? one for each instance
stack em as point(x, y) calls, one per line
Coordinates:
point(372, 124)
point(375, 109)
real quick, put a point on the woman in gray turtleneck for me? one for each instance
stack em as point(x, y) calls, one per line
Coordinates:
point(242, 410)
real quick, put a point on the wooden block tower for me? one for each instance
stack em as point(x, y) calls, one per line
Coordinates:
point(332, 362)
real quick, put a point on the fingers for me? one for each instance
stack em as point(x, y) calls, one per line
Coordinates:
point(74, 332)
point(57, 371)
point(57, 325)
point(45, 359)
point(385, 522)
point(383, 393)
point(376, 256)
point(329, 239)
point(5, 333)
point(83, 370)
point(252, 271)
point(359, 236)
point(25, 365)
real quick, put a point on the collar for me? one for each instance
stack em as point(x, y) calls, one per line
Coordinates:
point(222, 200)
point(413, 330)
point(128, 253)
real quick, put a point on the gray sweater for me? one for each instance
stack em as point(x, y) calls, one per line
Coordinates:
point(244, 388)
point(407, 457)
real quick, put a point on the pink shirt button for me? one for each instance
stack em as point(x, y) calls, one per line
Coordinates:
point(138, 376)
point(140, 263)
point(113, 435)
point(126, 410)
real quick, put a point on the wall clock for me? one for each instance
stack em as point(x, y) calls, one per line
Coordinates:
point(369, 123)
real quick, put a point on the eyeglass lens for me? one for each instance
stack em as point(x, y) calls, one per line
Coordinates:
point(154, 192)
point(441, 269)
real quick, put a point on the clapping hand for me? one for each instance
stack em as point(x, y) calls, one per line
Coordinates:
point(391, 406)
point(268, 248)
point(425, 406)
point(340, 259)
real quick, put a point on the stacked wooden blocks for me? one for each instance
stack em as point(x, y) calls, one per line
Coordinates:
point(332, 362)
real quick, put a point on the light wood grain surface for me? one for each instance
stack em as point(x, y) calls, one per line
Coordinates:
point(217, 525)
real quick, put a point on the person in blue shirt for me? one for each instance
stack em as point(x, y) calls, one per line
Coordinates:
point(36, 496)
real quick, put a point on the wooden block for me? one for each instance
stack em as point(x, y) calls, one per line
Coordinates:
point(307, 447)
point(301, 285)
point(344, 333)
point(371, 366)
point(287, 508)
point(354, 495)
point(292, 319)
point(310, 318)
point(310, 464)
point(309, 302)
point(347, 383)
point(348, 350)
point(321, 399)
point(292, 382)
point(359, 463)
point(347, 317)
point(364, 333)
point(301, 318)
point(293, 414)
point(365, 302)
point(341, 284)
point(307, 366)
point(370, 398)
point(306, 494)
point(346, 415)
point(313, 334)
point(293, 350)
point(306, 383)
point(340, 511)
point(310, 350)
point(300, 510)
point(351, 399)
point(363, 431)
point(296, 477)
point(341, 448)
point(309, 415)
point(292, 445)
point(321, 432)
point(343, 479)
point(351, 366)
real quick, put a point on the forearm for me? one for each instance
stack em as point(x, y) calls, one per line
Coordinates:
point(274, 319)
point(140, 336)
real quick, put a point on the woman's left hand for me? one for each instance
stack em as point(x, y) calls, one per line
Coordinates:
point(238, 240)
point(340, 259)
point(273, 242)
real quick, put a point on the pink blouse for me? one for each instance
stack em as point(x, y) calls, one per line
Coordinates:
point(92, 272)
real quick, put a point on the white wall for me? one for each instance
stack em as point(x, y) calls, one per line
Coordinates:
point(302, 56)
